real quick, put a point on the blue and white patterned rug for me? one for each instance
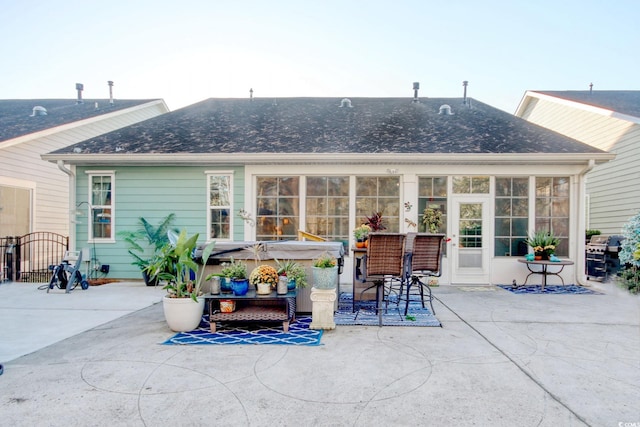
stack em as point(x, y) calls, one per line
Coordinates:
point(247, 333)
point(416, 316)
point(549, 289)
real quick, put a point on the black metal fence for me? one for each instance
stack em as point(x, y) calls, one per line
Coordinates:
point(28, 258)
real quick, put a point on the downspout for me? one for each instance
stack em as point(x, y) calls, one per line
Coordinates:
point(580, 256)
point(72, 204)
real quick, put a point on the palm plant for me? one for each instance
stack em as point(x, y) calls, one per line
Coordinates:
point(176, 265)
point(147, 240)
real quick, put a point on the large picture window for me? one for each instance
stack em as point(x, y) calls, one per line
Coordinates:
point(101, 195)
point(327, 207)
point(552, 209)
point(511, 216)
point(220, 205)
point(379, 194)
point(278, 202)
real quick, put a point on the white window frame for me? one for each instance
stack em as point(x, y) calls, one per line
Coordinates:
point(209, 174)
point(91, 175)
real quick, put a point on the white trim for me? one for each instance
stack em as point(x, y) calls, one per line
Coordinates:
point(100, 172)
point(79, 123)
point(574, 104)
point(220, 172)
point(16, 182)
point(112, 207)
point(368, 159)
point(208, 175)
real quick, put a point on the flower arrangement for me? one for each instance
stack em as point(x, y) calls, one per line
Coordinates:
point(362, 232)
point(432, 219)
point(543, 243)
point(264, 274)
point(325, 261)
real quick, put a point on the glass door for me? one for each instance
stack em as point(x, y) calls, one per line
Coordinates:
point(470, 241)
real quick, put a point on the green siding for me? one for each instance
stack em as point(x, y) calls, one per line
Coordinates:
point(153, 193)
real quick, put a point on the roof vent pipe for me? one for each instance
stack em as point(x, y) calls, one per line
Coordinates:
point(251, 94)
point(110, 83)
point(346, 102)
point(416, 87)
point(79, 88)
point(464, 99)
point(590, 88)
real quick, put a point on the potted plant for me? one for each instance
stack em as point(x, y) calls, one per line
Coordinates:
point(543, 243)
point(325, 272)
point(375, 222)
point(432, 219)
point(236, 272)
point(264, 278)
point(295, 273)
point(145, 242)
point(183, 305)
point(361, 234)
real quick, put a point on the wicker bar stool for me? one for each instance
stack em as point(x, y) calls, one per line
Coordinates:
point(382, 264)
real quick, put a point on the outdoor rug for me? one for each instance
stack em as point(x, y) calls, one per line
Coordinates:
point(549, 289)
point(416, 316)
point(248, 333)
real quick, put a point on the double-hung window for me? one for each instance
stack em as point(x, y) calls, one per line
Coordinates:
point(102, 197)
point(219, 189)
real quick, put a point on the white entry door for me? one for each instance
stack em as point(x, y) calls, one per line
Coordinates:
point(470, 241)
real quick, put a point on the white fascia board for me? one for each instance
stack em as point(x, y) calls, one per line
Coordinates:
point(574, 104)
point(326, 158)
point(79, 123)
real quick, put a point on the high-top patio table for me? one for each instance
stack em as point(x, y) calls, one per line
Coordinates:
point(544, 269)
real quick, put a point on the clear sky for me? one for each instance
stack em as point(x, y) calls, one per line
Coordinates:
point(186, 51)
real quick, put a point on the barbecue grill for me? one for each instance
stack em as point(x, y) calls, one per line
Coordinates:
point(602, 256)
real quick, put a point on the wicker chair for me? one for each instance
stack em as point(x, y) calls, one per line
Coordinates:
point(424, 260)
point(382, 264)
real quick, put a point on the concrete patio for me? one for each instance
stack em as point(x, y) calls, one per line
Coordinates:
point(93, 358)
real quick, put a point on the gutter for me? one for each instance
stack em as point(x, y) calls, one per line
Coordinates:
point(580, 256)
point(241, 159)
point(72, 203)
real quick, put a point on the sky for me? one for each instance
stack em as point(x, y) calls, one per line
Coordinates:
point(190, 50)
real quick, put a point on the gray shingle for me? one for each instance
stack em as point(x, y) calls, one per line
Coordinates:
point(307, 125)
point(16, 119)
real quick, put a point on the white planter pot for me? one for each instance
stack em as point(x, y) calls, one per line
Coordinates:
point(182, 314)
point(263, 288)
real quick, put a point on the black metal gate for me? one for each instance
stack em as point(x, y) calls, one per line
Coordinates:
point(28, 258)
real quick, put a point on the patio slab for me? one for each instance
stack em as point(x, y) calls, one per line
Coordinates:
point(500, 359)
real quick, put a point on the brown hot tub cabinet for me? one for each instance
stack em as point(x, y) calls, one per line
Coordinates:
point(303, 252)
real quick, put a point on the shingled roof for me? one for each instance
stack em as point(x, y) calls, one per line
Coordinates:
point(17, 119)
point(622, 101)
point(329, 125)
